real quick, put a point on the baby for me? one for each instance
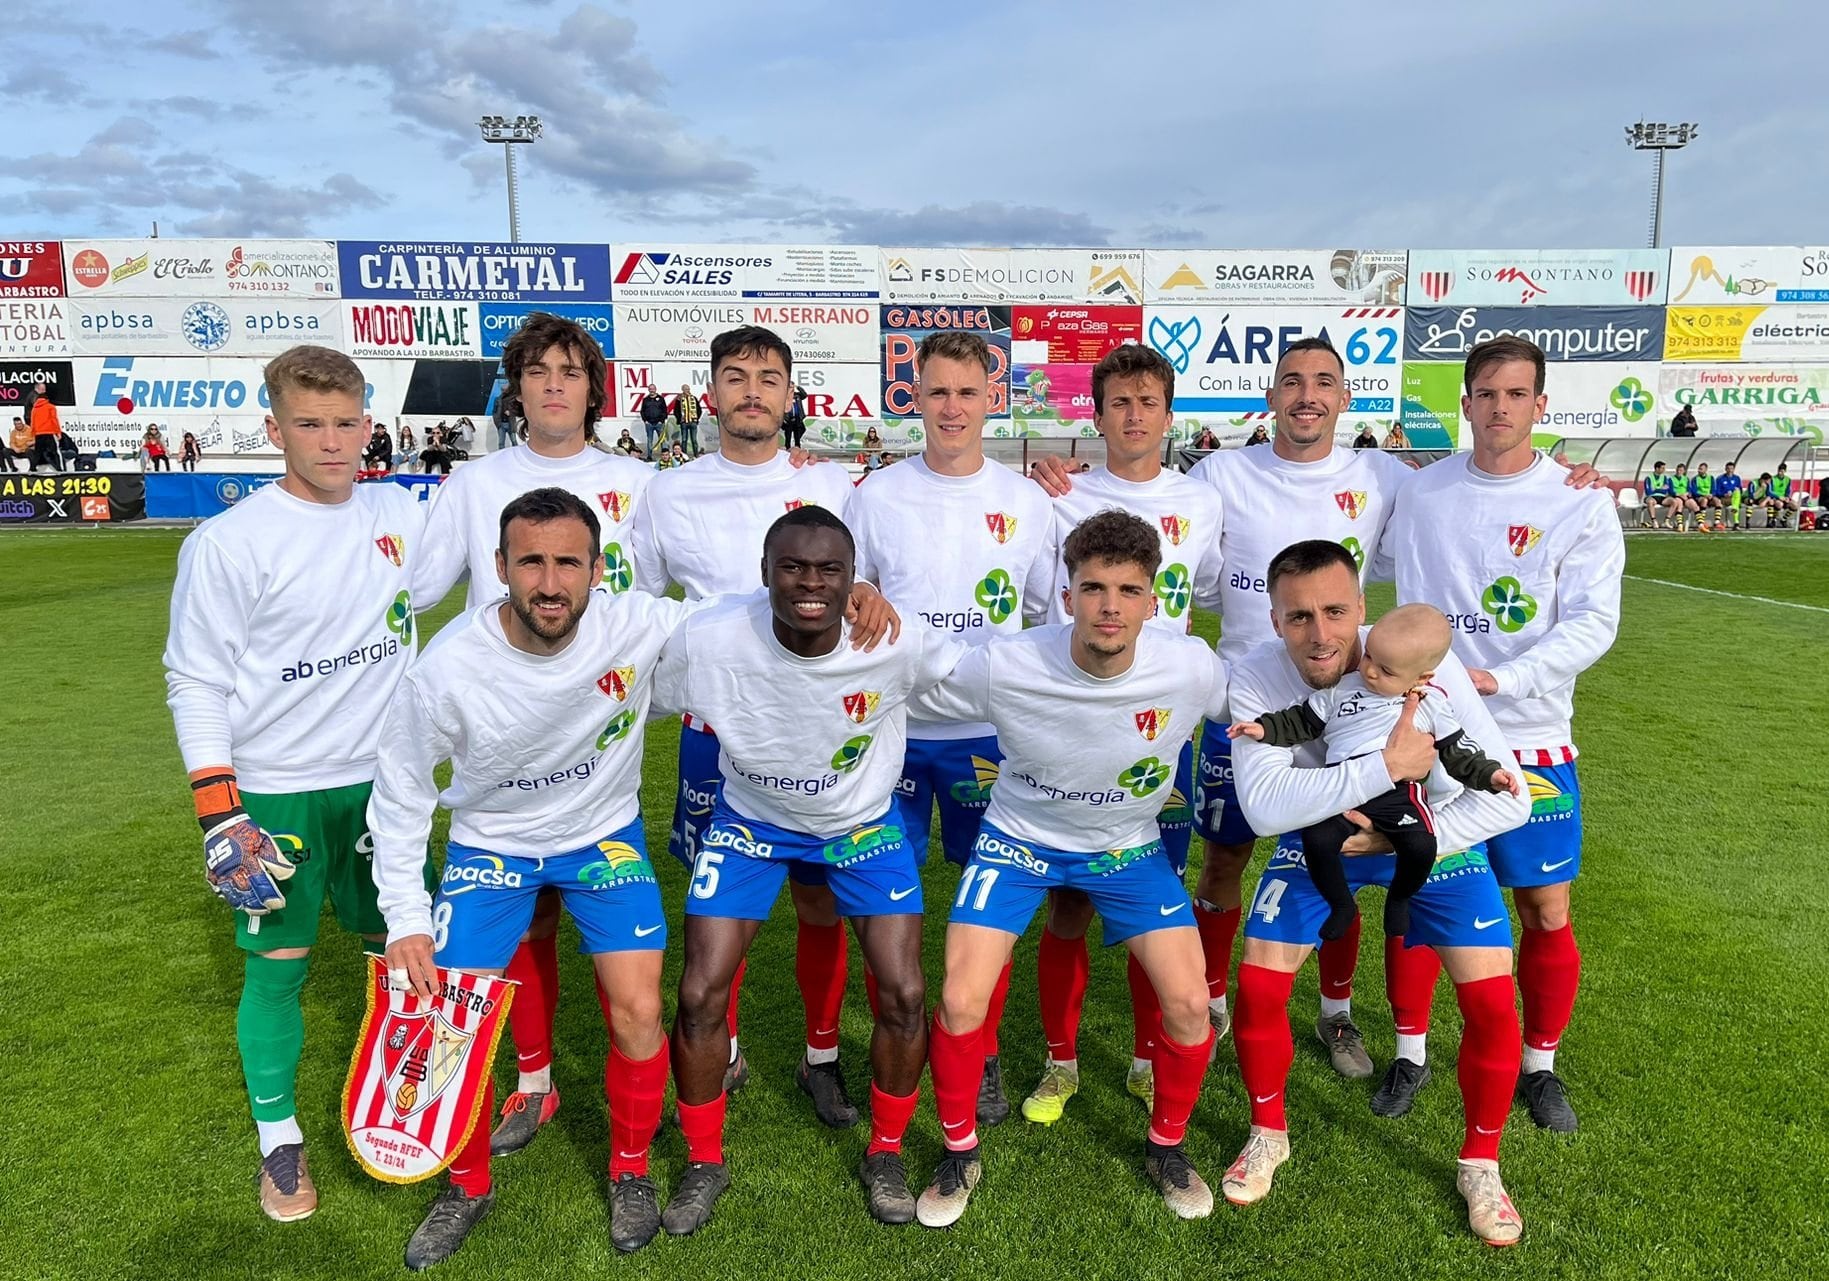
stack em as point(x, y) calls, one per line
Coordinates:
point(1356, 717)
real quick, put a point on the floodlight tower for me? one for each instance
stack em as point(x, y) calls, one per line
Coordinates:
point(1658, 137)
point(509, 133)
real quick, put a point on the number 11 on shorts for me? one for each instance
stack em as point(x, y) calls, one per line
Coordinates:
point(985, 877)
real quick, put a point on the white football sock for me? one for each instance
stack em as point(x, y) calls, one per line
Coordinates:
point(1072, 1065)
point(733, 1049)
point(277, 1134)
point(540, 1082)
point(1142, 1065)
point(822, 1056)
point(1536, 1060)
point(1217, 1004)
point(1331, 1007)
point(1414, 1048)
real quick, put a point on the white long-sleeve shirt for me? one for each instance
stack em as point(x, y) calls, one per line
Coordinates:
point(465, 525)
point(702, 525)
point(291, 626)
point(1187, 517)
point(1278, 794)
point(1089, 762)
point(814, 745)
point(1270, 502)
point(961, 551)
point(1528, 571)
point(545, 750)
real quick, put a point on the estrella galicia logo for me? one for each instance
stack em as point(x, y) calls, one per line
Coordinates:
point(1144, 777)
point(205, 326)
point(400, 618)
point(1508, 603)
point(996, 595)
point(851, 754)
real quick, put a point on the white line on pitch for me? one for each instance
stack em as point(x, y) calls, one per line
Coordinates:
point(1763, 600)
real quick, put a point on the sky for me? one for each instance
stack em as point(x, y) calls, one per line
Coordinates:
point(1396, 125)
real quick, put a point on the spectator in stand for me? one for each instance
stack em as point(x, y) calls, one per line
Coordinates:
point(190, 453)
point(654, 418)
point(686, 412)
point(794, 422)
point(1260, 435)
point(871, 439)
point(1395, 438)
point(625, 444)
point(1366, 439)
point(1702, 489)
point(380, 452)
point(678, 455)
point(1688, 505)
point(1684, 424)
point(503, 418)
point(153, 455)
point(437, 451)
point(463, 437)
point(884, 459)
point(1661, 496)
point(1207, 440)
point(19, 446)
point(47, 432)
point(406, 453)
point(1728, 491)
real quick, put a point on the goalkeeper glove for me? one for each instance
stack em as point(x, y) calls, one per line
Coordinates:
point(239, 859)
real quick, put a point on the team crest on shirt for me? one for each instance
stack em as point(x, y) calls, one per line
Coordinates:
point(1175, 528)
point(858, 706)
point(617, 682)
point(1151, 721)
point(1352, 502)
point(1001, 524)
point(793, 504)
point(616, 504)
point(392, 546)
point(1521, 538)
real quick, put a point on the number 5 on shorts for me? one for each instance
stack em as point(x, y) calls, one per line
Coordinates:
point(705, 873)
point(1269, 898)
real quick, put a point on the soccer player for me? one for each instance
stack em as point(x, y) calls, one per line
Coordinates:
point(1702, 490)
point(1319, 609)
point(1686, 503)
point(1133, 395)
point(291, 626)
point(1086, 711)
point(1529, 572)
point(700, 526)
point(556, 382)
point(546, 756)
point(1727, 495)
point(965, 543)
point(1661, 494)
point(810, 740)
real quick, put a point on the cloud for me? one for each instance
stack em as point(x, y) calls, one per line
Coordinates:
point(33, 81)
point(184, 44)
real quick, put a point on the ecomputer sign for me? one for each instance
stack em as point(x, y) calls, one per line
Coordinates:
point(1225, 357)
point(467, 271)
point(1564, 333)
point(659, 273)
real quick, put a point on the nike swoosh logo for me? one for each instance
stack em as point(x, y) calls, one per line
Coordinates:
point(531, 1054)
point(1265, 1098)
point(960, 1125)
point(1483, 1130)
point(1551, 867)
point(275, 1099)
point(642, 932)
point(1171, 909)
point(896, 896)
point(1478, 924)
point(630, 1156)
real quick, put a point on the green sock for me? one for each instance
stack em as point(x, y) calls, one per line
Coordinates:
point(270, 1029)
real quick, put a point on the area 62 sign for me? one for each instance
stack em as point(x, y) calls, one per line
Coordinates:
point(1225, 358)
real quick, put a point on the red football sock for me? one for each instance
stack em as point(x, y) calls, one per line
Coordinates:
point(736, 987)
point(535, 966)
point(889, 1118)
point(1491, 1050)
point(1179, 1070)
point(1338, 958)
point(1217, 930)
point(1549, 971)
point(993, 1013)
point(702, 1126)
point(1061, 970)
point(820, 958)
point(1145, 1013)
point(470, 1168)
point(1260, 1029)
point(957, 1063)
point(1409, 981)
point(634, 1090)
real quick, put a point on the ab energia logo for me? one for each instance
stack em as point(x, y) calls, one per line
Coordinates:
point(850, 753)
point(618, 574)
point(1508, 603)
point(996, 595)
point(1144, 777)
point(1174, 590)
point(400, 618)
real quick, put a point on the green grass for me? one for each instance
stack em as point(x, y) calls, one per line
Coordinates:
point(1696, 1057)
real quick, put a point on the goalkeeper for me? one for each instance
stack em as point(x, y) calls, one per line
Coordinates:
point(291, 626)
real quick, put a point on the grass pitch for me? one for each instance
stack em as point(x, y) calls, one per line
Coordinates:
point(1696, 1059)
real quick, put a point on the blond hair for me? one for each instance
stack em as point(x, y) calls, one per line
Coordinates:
point(312, 368)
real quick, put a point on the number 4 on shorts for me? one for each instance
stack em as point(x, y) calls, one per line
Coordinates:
point(1269, 898)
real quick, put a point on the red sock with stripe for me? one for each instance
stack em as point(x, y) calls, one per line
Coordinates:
point(889, 1118)
point(702, 1126)
point(1409, 981)
point(535, 966)
point(1337, 960)
point(1145, 1014)
point(957, 1064)
point(634, 1089)
point(470, 1168)
point(820, 968)
point(1179, 1070)
point(993, 1013)
point(1490, 1051)
point(1062, 967)
point(1260, 1029)
point(1218, 927)
point(1549, 972)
